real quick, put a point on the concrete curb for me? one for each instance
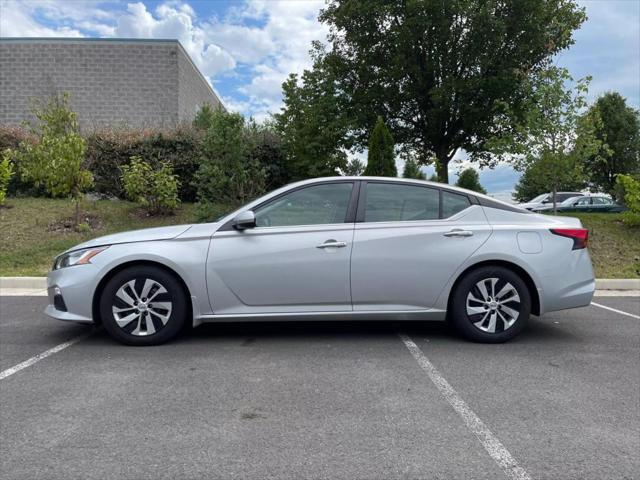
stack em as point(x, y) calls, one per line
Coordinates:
point(40, 283)
point(31, 283)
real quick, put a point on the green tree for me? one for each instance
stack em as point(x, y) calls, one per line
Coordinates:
point(267, 150)
point(434, 177)
point(620, 131)
point(534, 182)
point(228, 172)
point(381, 157)
point(56, 160)
point(557, 136)
point(312, 126)
point(6, 172)
point(412, 170)
point(445, 74)
point(470, 180)
point(354, 168)
point(631, 188)
point(204, 117)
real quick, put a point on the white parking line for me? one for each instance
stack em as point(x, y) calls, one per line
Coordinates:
point(36, 358)
point(489, 441)
point(616, 310)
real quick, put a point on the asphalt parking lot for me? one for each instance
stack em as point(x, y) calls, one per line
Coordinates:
point(323, 400)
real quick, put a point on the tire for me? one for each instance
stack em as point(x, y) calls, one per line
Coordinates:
point(134, 319)
point(482, 315)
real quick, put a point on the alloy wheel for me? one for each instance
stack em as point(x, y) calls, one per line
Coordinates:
point(493, 305)
point(142, 307)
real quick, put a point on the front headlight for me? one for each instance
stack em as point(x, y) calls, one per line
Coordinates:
point(77, 257)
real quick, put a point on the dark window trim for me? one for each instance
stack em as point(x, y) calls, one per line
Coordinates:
point(485, 202)
point(355, 185)
point(362, 199)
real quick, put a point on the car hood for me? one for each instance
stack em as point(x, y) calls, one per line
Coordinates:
point(144, 235)
point(529, 205)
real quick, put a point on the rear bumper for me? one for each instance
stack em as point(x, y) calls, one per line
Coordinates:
point(572, 287)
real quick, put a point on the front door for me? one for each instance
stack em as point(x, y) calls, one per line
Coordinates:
point(296, 259)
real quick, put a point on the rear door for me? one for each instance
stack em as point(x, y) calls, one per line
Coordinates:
point(409, 240)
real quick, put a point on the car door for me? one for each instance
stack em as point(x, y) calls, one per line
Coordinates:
point(296, 259)
point(409, 240)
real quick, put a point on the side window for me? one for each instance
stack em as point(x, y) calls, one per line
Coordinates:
point(584, 201)
point(387, 202)
point(453, 203)
point(315, 205)
point(600, 201)
point(561, 197)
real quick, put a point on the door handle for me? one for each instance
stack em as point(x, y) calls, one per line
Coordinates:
point(456, 232)
point(332, 244)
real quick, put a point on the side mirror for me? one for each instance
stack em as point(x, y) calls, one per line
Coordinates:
point(245, 220)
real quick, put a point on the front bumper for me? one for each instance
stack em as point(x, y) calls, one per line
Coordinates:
point(74, 287)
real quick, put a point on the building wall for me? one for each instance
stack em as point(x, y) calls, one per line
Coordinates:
point(193, 91)
point(118, 83)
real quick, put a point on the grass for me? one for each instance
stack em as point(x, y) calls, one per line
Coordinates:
point(614, 247)
point(32, 230)
point(32, 233)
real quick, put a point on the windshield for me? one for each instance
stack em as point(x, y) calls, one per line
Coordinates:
point(539, 198)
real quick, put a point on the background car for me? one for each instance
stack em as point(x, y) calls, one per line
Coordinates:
point(343, 248)
point(547, 199)
point(595, 203)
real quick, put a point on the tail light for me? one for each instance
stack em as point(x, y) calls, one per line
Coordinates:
point(580, 236)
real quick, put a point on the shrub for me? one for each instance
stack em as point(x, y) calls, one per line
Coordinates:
point(631, 187)
point(109, 150)
point(229, 173)
point(156, 190)
point(6, 172)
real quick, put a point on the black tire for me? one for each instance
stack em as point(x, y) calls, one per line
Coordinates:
point(158, 322)
point(477, 327)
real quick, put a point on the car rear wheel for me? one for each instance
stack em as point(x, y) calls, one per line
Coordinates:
point(143, 305)
point(490, 305)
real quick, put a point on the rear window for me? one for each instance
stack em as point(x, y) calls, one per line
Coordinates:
point(453, 203)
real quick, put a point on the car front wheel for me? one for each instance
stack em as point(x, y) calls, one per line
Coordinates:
point(490, 305)
point(143, 305)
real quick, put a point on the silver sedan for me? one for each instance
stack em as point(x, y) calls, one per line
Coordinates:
point(343, 248)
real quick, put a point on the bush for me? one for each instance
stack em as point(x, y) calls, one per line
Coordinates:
point(229, 172)
point(6, 172)
point(10, 138)
point(631, 188)
point(155, 189)
point(109, 150)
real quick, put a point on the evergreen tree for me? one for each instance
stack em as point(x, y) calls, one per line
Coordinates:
point(381, 158)
point(470, 180)
point(412, 170)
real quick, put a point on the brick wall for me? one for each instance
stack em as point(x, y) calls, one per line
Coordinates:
point(117, 83)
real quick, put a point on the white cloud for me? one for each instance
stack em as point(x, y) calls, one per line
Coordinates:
point(16, 21)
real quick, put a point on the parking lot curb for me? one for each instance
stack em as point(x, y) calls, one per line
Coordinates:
point(32, 283)
point(40, 283)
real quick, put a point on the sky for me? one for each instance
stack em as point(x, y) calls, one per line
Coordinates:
point(247, 48)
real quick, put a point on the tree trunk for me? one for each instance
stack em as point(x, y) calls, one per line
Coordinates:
point(77, 221)
point(442, 169)
point(553, 197)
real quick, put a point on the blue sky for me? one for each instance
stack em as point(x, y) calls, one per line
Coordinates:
point(247, 48)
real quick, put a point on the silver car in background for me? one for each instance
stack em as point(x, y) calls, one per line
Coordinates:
point(343, 248)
